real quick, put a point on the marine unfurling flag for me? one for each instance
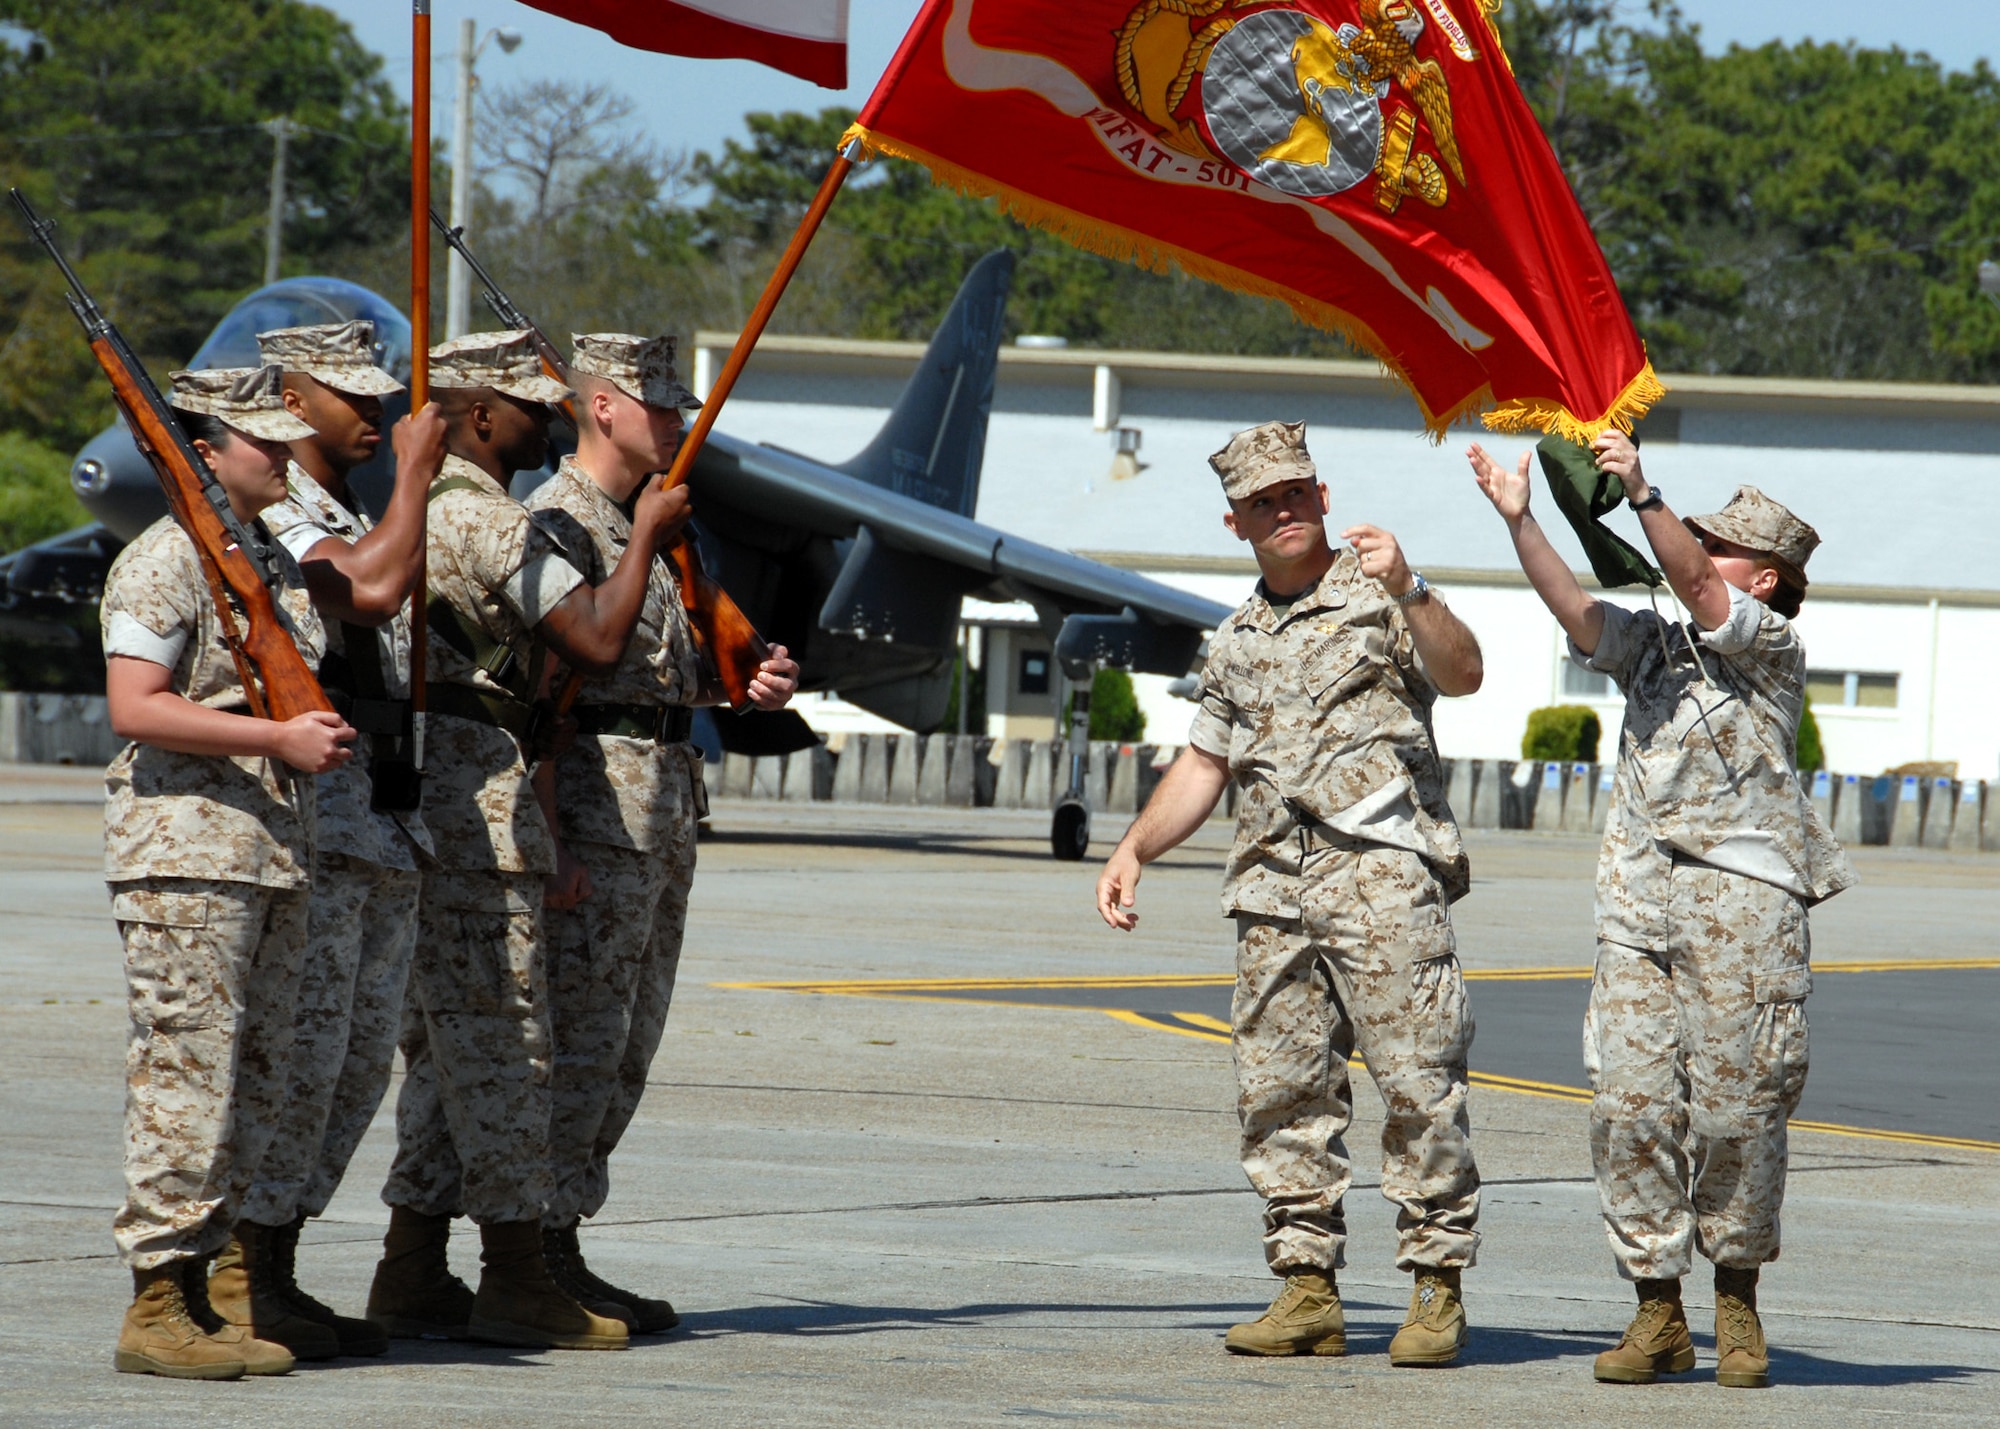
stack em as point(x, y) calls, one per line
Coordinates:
point(807, 38)
point(1372, 163)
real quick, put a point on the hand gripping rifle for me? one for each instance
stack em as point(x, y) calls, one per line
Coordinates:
point(276, 679)
point(730, 647)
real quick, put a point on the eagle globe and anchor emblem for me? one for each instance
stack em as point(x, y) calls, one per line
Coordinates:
point(1309, 108)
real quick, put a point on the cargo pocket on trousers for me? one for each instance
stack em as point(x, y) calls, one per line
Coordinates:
point(170, 973)
point(486, 977)
point(1782, 1051)
point(1439, 1011)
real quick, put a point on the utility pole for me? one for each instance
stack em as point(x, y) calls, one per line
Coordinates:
point(458, 278)
point(281, 131)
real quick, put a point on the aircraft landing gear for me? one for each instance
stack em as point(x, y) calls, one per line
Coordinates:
point(1069, 831)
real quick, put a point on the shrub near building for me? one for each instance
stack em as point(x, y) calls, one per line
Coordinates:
point(1563, 733)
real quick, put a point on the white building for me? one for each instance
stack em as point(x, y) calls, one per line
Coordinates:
point(1901, 480)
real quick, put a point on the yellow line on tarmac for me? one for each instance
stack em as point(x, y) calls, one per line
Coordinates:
point(877, 987)
point(1210, 1029)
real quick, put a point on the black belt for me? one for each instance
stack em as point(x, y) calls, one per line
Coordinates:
point(663, 724)
point(464, 702)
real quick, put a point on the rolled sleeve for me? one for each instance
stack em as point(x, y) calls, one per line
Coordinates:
point(1616, 646)
point(1213, 716)
point(125, 634)
point(298, 537)
point(543, 582)
point(1738, 631)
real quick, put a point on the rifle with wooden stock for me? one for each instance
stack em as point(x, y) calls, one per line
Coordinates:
point(277, 682)
point(730, 647)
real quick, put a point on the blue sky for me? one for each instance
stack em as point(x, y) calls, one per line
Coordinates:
point(695, 104)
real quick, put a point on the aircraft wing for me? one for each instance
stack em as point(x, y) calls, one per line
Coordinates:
point(901, 555)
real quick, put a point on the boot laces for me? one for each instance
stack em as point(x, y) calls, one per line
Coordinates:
point(1736, 1324)
point(1650, 1322)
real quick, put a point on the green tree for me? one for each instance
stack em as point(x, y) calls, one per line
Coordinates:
point(1813, 210)
point(137, 124)
point(35, 497)
point(1810, 755)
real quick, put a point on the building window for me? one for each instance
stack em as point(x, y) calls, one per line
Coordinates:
point(1591, 684)
point(1034, 677)
point(1853, 689)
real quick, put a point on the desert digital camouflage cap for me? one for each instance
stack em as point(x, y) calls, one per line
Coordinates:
point(640, 367)
point(505, 361)
point(1756, 522)
point(250, 399)
point(338, 355)
point(1262, 456)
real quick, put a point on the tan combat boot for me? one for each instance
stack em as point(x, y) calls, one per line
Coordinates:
point(519, 1305)
point(1435, 1330)
point(1305, 1319)
point(356, 1337)
point(1742, 1361)
point(241, 1290)
point(415, 1296)
point(596, 1294)
point(1655, 1343)
point(158, 1337)
point(258, 1356)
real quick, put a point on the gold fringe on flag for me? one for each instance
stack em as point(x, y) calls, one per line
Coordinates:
point(1128, 246)
point(1537, 414)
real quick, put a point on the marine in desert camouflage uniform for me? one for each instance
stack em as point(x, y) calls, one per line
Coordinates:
point(363, 919)
point(1316, 700)
point(473, 1117)
point(630, 793)
point(1696, 1035)
point(208, 851)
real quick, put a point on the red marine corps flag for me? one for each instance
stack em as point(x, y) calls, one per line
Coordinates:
point(1372, 163)
point(807, 38)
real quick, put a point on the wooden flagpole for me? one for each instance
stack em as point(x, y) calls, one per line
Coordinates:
point(760, 316)
point(420, 334)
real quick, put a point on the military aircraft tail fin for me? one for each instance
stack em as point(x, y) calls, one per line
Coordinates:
point(933, 444)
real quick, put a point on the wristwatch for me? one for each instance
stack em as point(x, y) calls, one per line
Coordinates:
point(1653, 502)
point(1420, 589)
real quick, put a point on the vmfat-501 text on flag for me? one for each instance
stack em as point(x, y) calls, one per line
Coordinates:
point(1370, 162)
point(807, 38)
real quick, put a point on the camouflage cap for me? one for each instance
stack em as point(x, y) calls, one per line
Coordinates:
point(337, 355)
point(250, 399)
point(1262, 456)
point(1757, 523)
point(640, 367)
point(505, 361)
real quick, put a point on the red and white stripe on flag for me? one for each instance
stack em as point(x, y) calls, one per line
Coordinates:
point(807, 38)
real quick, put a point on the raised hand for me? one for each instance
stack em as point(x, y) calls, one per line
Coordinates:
point(662, 513)
point(1507, 490)
point(1381, 557)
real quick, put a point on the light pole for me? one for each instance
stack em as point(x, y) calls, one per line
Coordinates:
point(458, 278)
point(281, 130)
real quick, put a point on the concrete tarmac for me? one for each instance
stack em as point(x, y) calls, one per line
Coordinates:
point(916, 1209)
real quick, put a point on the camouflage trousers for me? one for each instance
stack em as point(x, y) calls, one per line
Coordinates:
point(1370, 966)
point(350, 1006)
point(612, 961)
point(1697, 1054)
point(472, 1121)
point(211, 971)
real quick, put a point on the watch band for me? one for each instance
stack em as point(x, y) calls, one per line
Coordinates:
point(1653, 502)
point(1419, 589)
